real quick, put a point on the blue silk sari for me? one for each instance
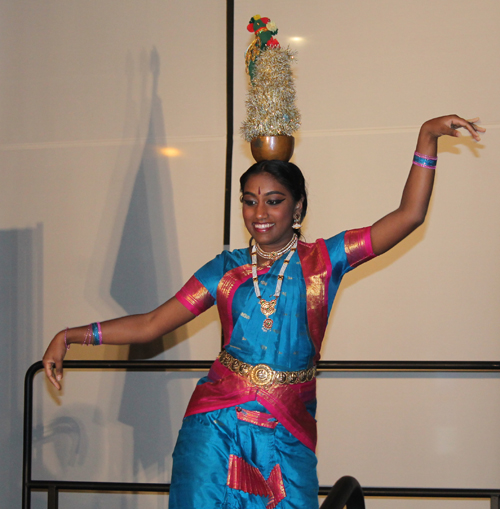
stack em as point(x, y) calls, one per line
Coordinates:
point(243, 447)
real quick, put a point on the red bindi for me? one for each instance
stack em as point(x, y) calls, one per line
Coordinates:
point(259, 190)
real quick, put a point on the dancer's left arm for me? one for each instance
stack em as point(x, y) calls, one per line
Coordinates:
point(410, 214)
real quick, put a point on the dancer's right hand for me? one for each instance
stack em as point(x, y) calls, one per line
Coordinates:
point(53, 360)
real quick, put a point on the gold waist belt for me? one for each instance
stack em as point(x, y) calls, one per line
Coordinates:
point(262, 374)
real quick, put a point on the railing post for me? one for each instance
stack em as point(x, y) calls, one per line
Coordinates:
point(495, 502)
point(28, 431)
point(53, 497)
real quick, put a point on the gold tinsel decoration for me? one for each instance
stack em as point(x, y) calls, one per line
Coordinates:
point(270, 103)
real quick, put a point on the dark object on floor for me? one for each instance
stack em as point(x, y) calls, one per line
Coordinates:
point(346, 492)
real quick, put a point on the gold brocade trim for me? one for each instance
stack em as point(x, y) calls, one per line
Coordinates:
point(275, 482)
point(200, 297)
point(245, 477)
point(195, 296)
point(225, 291)
point(257, 418)
point(316, 268)
point(356, 246)
point(228, 285)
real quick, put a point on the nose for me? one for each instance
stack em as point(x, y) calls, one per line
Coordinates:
point(261, 211)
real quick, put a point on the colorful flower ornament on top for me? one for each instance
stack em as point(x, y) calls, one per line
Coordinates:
point(272, 116)
point(264, 30)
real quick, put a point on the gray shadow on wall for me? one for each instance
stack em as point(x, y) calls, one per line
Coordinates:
point(147, 268)
point(21, 301)
point(147, 253)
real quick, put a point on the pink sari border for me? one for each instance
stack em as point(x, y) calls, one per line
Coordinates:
point(226, 290)
point(328, 264)
point(245, 477)
point(287, 407)
point(317, 270)
point(285, 402)
point(257, 418)
point(358, 246)
point(195, 297)
point(275, 482)
point(306, 391)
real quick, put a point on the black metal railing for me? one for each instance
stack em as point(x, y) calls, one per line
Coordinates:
point(346, 492)
point(53, 487)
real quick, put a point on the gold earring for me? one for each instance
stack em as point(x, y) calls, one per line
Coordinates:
point(296, 221)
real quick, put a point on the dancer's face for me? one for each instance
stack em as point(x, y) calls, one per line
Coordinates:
point(268, 209)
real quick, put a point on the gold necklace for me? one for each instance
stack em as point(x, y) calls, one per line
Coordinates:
point(274, 255)
point(269, 307)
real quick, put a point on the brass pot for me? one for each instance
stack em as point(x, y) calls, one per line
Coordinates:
point(268, 148)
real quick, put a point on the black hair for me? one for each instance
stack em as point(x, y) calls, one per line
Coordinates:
point(287, 174)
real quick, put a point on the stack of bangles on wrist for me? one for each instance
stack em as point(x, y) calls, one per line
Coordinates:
point(424, 161)
point(93, 335)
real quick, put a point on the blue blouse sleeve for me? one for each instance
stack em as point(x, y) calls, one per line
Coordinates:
point(350, 249)
point(211, 273)
point(338, 257)
point(347, 250)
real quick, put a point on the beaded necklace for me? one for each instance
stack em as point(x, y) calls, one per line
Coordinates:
point(269, 307)
point(274, 255)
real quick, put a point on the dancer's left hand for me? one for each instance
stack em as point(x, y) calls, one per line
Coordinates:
point(449, 125)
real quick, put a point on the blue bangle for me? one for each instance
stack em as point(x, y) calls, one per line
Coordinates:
point(95, 333)
point(424, 161)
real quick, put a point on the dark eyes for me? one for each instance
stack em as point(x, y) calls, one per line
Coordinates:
point(250, 203)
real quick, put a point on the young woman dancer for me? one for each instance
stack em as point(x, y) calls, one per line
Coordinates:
point(249, 434)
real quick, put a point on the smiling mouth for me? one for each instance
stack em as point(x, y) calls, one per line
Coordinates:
point(262, 227)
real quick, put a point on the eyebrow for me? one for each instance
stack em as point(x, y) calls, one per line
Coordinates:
point(266, 194)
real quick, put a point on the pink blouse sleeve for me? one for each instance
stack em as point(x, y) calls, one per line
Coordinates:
point(358, 246)
point(195, 297)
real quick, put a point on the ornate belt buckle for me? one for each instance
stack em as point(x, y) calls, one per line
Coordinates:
point(261, 375)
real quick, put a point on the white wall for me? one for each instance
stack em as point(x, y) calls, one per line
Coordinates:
point(92, 95)
point(96, 220)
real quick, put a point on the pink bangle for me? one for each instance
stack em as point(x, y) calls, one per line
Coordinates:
point(66, 339)
point(426, 157)
point(88, 335)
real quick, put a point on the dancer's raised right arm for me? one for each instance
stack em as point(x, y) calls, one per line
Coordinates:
point(120, 331)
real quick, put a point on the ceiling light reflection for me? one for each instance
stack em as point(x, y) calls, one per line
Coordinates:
point(169, 151)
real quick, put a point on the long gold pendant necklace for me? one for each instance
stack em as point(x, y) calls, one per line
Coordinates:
point(269, 307)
